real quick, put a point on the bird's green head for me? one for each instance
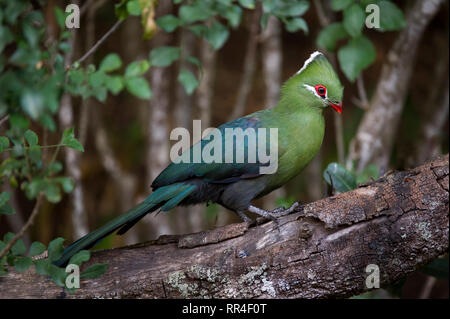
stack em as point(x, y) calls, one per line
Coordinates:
point(316, 84)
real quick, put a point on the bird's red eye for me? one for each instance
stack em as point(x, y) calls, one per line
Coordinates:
point(321, 90)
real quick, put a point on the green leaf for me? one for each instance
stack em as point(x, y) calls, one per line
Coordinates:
point(34, 152)
point(357, 55)
point(194, 61)
point(55, 249)
point(338, 5)
point(297, 24)
point(67, 183)
point(96, 79)
point(80, 257)
point(330, 35)
point(47, 122)
point(133, 7)
point(53, 193)
point(42, 266)
point(36, 248)
point(21, 264)
point(76, 76)
point(341, 179)
point(54, 167)
point(110, 63)
point(189, 14)
point(198, 29)
point(248, 4)
point(217, 35)
point(69, 140)
point(31, 137)
point(121, 9)
point(60, 16)
point(294, 9)
point(137, 68)
point(100, 93)
point(139, 87)
point(19, 247)
point(6, 37)
point(4, 143)
point(391, 17)
point(35, 187)
point(188, 80)
point(168, 23)
point(32, 103)
point(7, 210)
point(94, 271)
point(8, 237)
point(354, 18)
point(4, 198)
point(57, 274)
point(233, 14)
point(114, 84)
point(164, 56)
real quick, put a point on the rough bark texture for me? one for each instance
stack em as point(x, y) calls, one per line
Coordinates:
point(398, 222)
point(376, 133)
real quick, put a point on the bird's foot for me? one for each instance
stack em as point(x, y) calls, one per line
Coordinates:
point(266, 215)
point(282, 211)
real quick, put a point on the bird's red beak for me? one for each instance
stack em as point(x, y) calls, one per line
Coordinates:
point(337, 107)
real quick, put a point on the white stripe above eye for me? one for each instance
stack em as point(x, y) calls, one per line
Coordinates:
point(310, 59)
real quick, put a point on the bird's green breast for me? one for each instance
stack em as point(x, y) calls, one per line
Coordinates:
point(300, 136)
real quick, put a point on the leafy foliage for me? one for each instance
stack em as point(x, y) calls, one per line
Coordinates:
point(359, 52)
point(343, 180)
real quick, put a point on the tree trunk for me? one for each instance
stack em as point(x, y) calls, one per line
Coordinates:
point(158, 122)
point(398, 223)
point(376, 133)
point(72, 157)
point(272, 61)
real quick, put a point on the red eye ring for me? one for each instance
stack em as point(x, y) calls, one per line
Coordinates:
point(321, 90)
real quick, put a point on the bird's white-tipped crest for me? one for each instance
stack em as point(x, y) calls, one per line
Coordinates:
point(309, 60)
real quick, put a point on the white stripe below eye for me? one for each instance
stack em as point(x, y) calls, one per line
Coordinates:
point(313, 90)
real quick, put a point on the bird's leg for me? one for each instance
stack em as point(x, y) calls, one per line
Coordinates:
point(244, 217)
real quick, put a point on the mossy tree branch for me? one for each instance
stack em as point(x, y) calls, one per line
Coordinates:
point(399, 223)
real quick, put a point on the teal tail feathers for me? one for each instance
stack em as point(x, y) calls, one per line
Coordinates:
point(166, 198)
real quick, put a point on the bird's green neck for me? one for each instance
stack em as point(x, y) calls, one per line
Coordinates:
point(293, 104)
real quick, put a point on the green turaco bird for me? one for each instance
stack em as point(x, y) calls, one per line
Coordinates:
point(298, 116)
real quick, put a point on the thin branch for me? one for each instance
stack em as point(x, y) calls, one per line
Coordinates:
point(362, 92)
point(99, 42)
point(29, 222)
point(4, 119)
point(321, 15)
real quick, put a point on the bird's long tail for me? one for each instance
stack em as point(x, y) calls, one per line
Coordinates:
point(166, 198)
